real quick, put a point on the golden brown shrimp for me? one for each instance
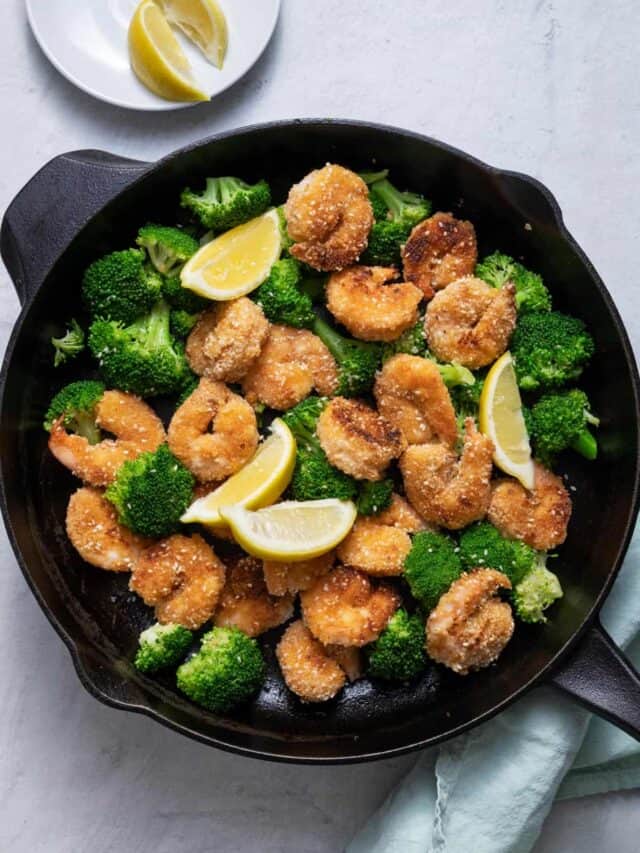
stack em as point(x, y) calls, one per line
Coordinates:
point(470, 322)
point(371, 303)
point(283, 578)
point(227, 339)
point(307, 668)
point(329, 217)
point(540, 517)
point(96, 534)
point(402, 515)
point(345, 609)
point(350, 660)
point(245, 602)
point(358, 440)
point(292, 363)
point(232, 442)
point(411, 394)
point(137, 429)
point(182, 578)
point(446, 490)
point(470, 626)
point(439, 250)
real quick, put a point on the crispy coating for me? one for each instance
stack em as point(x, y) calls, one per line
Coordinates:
point(439, 250)
point(283, 578)
point(445, 490)
point(470, 626)
point(134, 423)
point(540, 518)
point(371, 303)
point(358, 440)
point(402, 515)
point(411, 394)
point(232, 441)
point(329, 217)
point(350, 660)
point(245, 602)
point(182, 578)
point(471, 322)
point(293, 363)
point(345, 609)
point(307, 668)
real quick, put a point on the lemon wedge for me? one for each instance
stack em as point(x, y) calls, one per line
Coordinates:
point(203, 22)
point(157, 58)
point(258, 483)
point(291, 530)
point(236, 262)
point(501, 419)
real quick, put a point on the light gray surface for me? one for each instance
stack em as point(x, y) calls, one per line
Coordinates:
point(548, 90)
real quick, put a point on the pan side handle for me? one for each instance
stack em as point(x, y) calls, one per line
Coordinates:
point(49, 210)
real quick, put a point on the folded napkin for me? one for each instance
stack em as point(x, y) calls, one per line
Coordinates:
point(489, 790)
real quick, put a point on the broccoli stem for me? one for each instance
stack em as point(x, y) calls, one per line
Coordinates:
point(586, 445)
point(373, 177)
point(591, 419)
point(455, 374)
point(394, 199)
point(333, 340)
point(86, 426)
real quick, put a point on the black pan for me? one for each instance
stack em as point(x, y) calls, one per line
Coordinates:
point(88, 202)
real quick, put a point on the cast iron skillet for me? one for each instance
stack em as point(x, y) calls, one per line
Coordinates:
point(88, 202)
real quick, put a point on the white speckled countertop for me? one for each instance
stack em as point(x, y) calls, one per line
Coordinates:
point(547, 89)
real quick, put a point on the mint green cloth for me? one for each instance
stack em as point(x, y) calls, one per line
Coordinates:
point(489, 790)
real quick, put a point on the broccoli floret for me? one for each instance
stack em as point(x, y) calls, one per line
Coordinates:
point(455, 374)
point(281, 299)
point(69, 345)
point(167, 247)
point(358, 361)
point(399, 652)
point(161, 646)
point(378, 207)
point(181, 298)
point(181, 323)
point(76, 405)
point(431, 566)
point(550, 349)
point(406, 207)
point(536, 592)
point(482, 545)
point(151, 492)
point(531, 294)
point(374, 497)
point(227, 202)
point(558, 421)
point(227, 670)
point(410, 342)
point(385, 241)
point(120, 286)
point(394, 223)
point(314, 287)
point(190, 385)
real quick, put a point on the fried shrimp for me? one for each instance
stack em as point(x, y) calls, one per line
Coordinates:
point(232, 442)
point(446, 490)
point(283, 578)
point(358, 440)
point(182, 578)
point(371, 303)
point(227, 339)
point(94, 531)
point(345, 609)
point(292, 363)
point(470, 626)
point(439, 250)
point(329, 217)
point(308, 669)
point(540, 517)
point(471, 322)
point(137, 429)
point(245, 602)
point(411, 394)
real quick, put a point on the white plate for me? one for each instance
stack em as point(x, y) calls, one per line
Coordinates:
point(86, 40)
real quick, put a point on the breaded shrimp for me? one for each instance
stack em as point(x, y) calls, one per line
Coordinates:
point(358, 440)
point(182, 578)
point(470, 626)
point(227, 339)
point(350, 660)
point(345, 609)
point(411, 394)
point(292, 363)
point(134, 423)
point(439, 250)
point(446, 490)
point(371, 303)
point(539, 518)
point(402, 515)
point(245, 602)
point(470, 322)
point(96, 534)
point(282, 578)
point(233, 438)
point(329, 217)
point(307, 668)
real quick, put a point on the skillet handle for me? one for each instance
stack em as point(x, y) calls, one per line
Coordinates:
point(48, 211)
point(601, 677)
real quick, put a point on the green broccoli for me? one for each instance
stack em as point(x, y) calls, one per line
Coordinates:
point(151, 492)
point(389, 232)
point(226, 671)
point(431, 566)
point(191, 383)
point(380, 211)
point(69, 345)
point(120, 286)
point(558, 421)
point(482, 545)
point(161, 646)
point(373, 177)
point(76, 405)
point(410, 342)
point(181, 323)
point(167, 247)
point(455, 374)
point(374, 496)
point(181, 298)
point(399, 652)
point(227, 202)
point(536, 592)
point(410, 208)
point(281, 299)
point(358, 361)
point(531, 294)
point(314, 288)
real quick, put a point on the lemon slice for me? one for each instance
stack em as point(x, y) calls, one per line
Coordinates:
point(259, 483)
point(501, 419)
point(236, 262)
point(291, 530)
point(203, 22)
point(157, 58)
